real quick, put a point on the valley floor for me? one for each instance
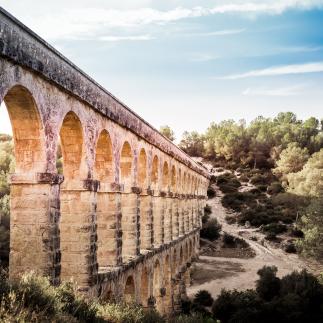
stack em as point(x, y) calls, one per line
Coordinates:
point(213, 273)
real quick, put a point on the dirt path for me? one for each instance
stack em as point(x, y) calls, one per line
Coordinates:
point(216, 273)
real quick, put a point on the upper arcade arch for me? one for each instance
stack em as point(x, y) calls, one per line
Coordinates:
point(126, 165)
point(27, 130)
point(104, 163)
point(142, 178)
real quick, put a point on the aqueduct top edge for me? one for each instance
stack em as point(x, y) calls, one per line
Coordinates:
point(24, 47)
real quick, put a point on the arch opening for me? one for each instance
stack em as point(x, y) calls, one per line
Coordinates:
point(142, 169)
point(144, 288)
point(165, 181)
point(154, 173)
point(126, 163)
point(104, 166)
point(129, 290)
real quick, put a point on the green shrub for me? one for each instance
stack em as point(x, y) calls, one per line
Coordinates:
point(268, 285)
point(258, 179)
point(270, 236)
point(290, 247)
point(275, 188)
point(203, 297)
point(297, 233)
point(244, 178)
point(211, 193)
point(207, 209)
point(226, 188)
point(211, 230)
point(205, 218)
point(230, 219)
point(275, 228)
point(262, 188)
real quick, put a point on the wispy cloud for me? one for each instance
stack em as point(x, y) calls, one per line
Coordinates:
point(220, 32)
point(125, 38)
point(87, 22)
point(314, 67)
point(282, 91)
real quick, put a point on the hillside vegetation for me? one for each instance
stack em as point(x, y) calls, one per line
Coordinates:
point(282, 159)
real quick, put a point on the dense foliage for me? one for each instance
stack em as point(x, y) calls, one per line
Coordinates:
point(7, 163)
point(295, 298)
point(258, 144)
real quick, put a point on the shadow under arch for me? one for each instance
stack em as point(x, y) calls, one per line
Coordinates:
point(129, 293)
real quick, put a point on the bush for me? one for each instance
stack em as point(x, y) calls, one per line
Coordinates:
point(230, 219)
point(262, 188)
point(226, 188)
point(211, 230)
point(204, 298)
point(268, 285)
point(207, 209)
point(205, 218)
point(290, 247)
point(228, 239)
point(296, 298)
point(270, 236)
point(234, 306)
point(275, 188)
point(275, 228)
point(211, 193)
point(259, 180)
point(297, 233)
point(244, 178)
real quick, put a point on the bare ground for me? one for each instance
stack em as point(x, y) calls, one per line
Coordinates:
point(214, 273)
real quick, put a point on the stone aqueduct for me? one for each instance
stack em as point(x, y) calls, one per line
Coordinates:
point(123, 220)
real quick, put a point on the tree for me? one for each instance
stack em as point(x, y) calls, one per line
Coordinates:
point(167, 132)
point(309, 180)
point(192, 143)
point(292, 159)
point(312, 226)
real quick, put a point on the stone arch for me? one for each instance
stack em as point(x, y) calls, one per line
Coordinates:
point(142, 169)
point(71, 136)
point(179, 186)
point(104, 165)
point(27, 130)
point(184, 183)
point(168, 284)
point(186, 252)
point(126, 165)
point(29, 249)
point(78, 246)
point(188, 187)
point(157, 285)
point(129, 293)
point(165, 178)
point(174, 262)
point(154, 173)
point(181, 257)
point(190, 249)
point(106, 204)
point(144, 288)
point(173, 179)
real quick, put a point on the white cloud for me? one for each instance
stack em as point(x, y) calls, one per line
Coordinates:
point(86, 22)
point(224, 32)
point(279, 70)
point(283, 91)
point(123, 38)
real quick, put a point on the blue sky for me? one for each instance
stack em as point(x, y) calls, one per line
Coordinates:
point(187, 63)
